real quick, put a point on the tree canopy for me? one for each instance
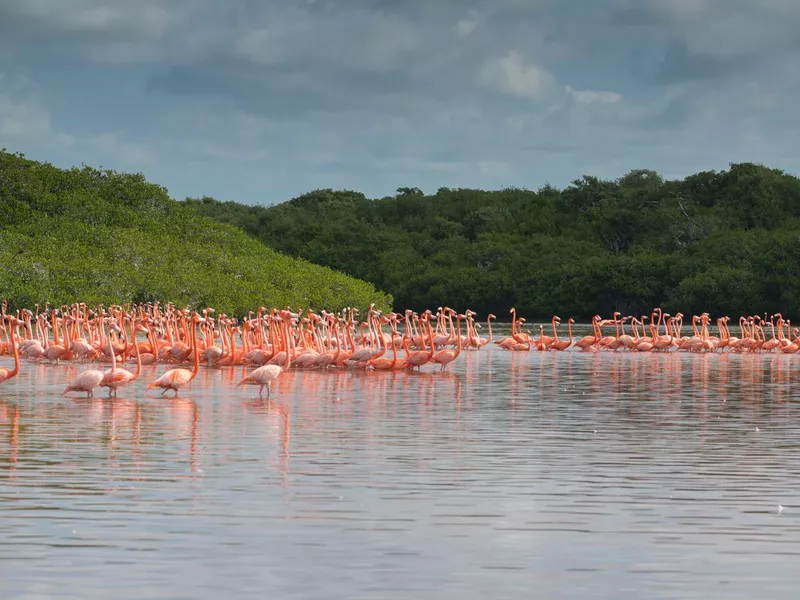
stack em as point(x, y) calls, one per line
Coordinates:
point(719, 241)
point(97, 236)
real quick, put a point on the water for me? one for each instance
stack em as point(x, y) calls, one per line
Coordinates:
point(518, 475)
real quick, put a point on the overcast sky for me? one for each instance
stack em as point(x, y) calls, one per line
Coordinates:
point(261, 100)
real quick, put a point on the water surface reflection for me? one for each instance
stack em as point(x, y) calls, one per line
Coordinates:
point(517, 475)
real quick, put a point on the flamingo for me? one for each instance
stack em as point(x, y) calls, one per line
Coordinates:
point(445, 357)
point(564, 344)
point(381, 363)
point(86, 381)
point(420, 357)
point(545, 340)
point(587, 342)
point(174, 379)
point(483, 341)
point(115, 378)
point(5, 374)
point(55, 351)
point(263, 376)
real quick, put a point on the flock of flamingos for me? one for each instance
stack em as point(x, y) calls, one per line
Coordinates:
point(274, 340)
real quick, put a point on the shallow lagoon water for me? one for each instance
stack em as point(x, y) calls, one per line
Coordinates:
point(516, 475)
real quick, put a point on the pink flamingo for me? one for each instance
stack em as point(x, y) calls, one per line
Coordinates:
point(5, 374)
point(484, 341)
point(587, 342)
point(55, 351)
point(265, 375)
point(420, 357)
point(445, 357)
point(86, 381)
point(115, 378)
point(382, 363)
point(564, 344)
point(174, 379)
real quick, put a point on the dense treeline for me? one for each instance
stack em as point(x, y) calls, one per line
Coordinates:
point(719, 241)
point(102, 237)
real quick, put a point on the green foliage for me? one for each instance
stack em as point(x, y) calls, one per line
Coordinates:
point(104, 237)
point(724, 241)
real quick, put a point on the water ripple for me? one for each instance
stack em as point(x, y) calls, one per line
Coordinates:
point(565, 474)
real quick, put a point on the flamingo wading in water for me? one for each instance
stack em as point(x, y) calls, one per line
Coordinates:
point(5, 374)
point(174, 379)
point(86, 381)
point(265, 375)
point(115, 377)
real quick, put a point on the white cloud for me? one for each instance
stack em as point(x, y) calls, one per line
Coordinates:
point(591, 97)
point(20, 121)
point(22, 117)
point(510, 75)
point(115, 145)
point(466, 25)
point(411, 165)
point(495, 168)
point(260, 46)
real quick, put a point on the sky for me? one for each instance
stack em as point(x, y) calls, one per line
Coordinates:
point(259, 101)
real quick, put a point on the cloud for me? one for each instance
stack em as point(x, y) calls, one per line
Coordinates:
point(23, 118)
point(90, 17)
point(263, 100)
point(347, 40)
point(27, 125)
point(115, 144)
point(590, 96)
point(467, 24)
point(511, 75)
point(712, 39)
point(104, 31)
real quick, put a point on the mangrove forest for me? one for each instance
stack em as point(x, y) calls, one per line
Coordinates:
point(725, 241)
point(103, 237)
